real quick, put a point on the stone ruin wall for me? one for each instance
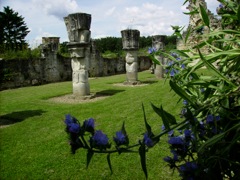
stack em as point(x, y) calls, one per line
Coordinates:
point(52, 67)
point(195, 22)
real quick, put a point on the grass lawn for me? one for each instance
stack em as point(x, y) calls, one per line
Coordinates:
point(34, 144)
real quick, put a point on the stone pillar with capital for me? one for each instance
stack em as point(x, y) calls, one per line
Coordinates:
point(159, 45)
point(78, 25)
point(130, 41)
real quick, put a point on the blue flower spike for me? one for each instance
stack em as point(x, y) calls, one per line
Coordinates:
point(120, 138)
point(147, 140)
point(89, 125)
point(99, 140)
point(73, 126)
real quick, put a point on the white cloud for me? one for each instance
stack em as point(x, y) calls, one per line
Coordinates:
point(57, 8)
point(110, 11)
point(151, 19)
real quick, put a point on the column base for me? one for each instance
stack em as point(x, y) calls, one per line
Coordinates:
point(86, 97)
point(132, 83)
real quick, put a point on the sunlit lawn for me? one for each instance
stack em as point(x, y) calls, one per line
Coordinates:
point(34, 144)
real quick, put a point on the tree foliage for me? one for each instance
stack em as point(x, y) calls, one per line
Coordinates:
point(13, 30)
point(114, 44)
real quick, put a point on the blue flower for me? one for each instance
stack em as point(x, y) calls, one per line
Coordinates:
point(173, 72)
point(176, 141)
point(185, 102)
point(168, 159)
point(201, 129)
point(214, 130)
point(201, 125)
point(187, 133)
point(183, 66)
point(171, 133)
point(89, 125)
point(72, 124)
point(209, 119)
point(170, 63)
point(202, 90)
point(147, 140)
point(189, 166)
point(74, 128)
point(120, 138)
point(221, 5)
point(163, 127)
point(68, 119)
point(99, 140)
point(175, 155)
point(173, 54)
point(217, 118)
point(151, 50)
point(183, 112)
point(187, 170)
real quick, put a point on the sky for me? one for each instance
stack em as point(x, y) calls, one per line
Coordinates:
point(44, 18)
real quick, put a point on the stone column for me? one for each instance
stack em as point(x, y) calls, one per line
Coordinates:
point(52, 68)
point(158, 44)
point(78, 25)
point(49, 46)
point(130, 41)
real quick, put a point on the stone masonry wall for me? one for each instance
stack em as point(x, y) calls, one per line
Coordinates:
point(55, 68)
point(20, 73)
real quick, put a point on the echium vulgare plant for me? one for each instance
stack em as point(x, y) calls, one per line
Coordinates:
point(205, 143)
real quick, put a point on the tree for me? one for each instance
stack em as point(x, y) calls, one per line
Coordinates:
point(13, 30)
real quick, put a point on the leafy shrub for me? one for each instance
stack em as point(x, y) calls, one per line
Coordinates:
point(21, 54)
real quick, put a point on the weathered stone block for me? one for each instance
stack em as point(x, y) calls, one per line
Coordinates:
point(158, 41)
point(130, 39)
point(78, 25)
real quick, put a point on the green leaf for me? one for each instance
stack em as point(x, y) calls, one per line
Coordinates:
point(230, 30)
point(109, 163)
point(211, 67)
point(185, 2)
point(217, 138)
point(148, 127)
point(204, 15)
point(182, 93)
point(89, 157)
point(167, 118)
point(181, 53)
point(142, 153)
point(125, 133)
point(153, 59)
point(238, 13)
point(191, 13)
point(123, 129)
point(188, 34)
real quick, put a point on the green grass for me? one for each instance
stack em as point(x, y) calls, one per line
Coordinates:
point(34, 144)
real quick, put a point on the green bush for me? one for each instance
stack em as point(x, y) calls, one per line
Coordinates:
point(21, 54)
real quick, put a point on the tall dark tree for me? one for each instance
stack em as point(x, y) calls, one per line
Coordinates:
point(13, 30)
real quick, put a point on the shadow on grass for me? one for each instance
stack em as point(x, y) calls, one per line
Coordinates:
point(19, 116)
point(108, 92)
point(150, 81)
